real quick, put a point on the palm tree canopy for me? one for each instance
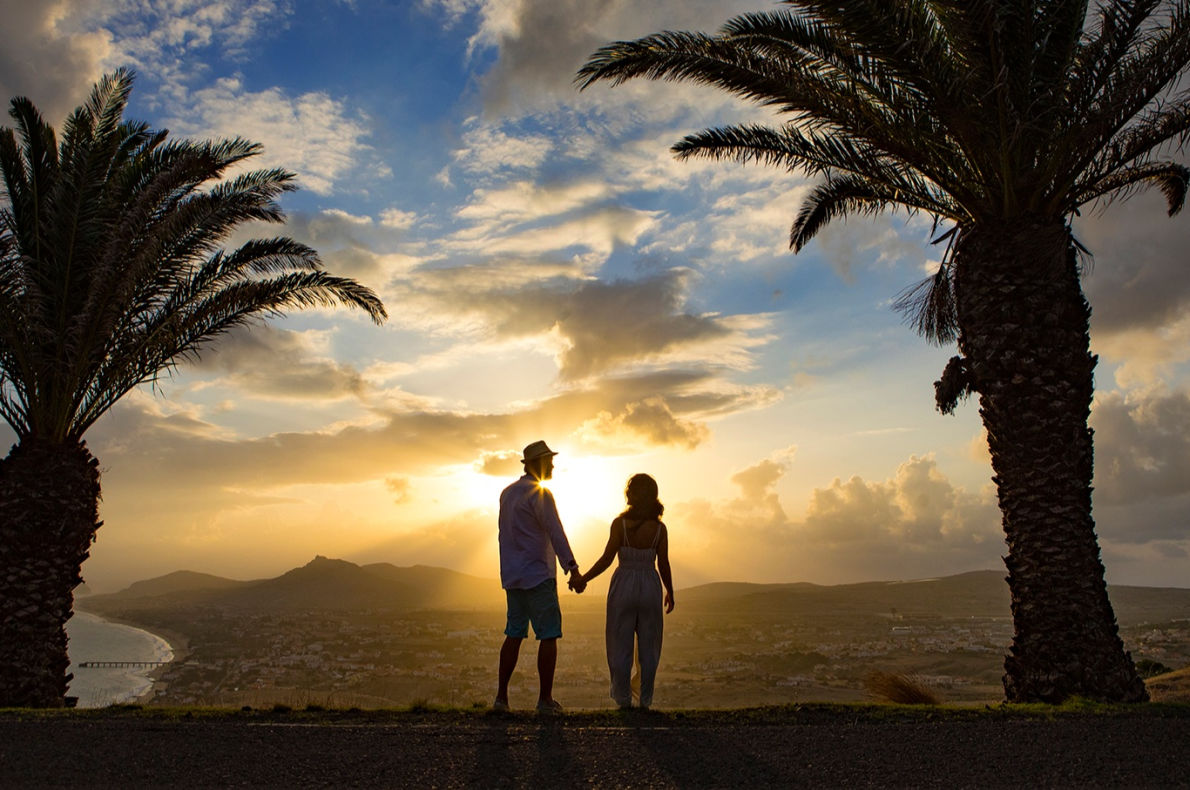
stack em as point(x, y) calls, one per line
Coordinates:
point(111, 264)
point(969, 110)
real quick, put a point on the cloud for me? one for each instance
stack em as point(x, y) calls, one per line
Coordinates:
point(501, 463)
point(650, 419)
point(399, 488)
point(915, 524)
point(264, 361)
point(541, 44)
point(53, 51)
point(316, 136)
point(1137, 288)
point(356, 246)
point(918, 505)
point(523, 201)
point(150, 449)
point(600, 326)
point(1142, 446)
point(488, 150)
point(874, 243)
point(48, 57)
point(1137, 275)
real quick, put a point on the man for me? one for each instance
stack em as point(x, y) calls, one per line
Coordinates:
point(532, 543)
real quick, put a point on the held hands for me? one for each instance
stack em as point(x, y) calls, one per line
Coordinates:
point(577, 582)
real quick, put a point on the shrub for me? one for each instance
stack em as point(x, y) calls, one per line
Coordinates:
point(899, 689)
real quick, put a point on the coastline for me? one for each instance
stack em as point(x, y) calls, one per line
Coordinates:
point(171, 643)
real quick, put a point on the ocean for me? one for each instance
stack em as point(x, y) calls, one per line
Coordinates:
point(94, 639)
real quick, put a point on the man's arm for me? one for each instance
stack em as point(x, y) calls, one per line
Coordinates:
point(547, 514)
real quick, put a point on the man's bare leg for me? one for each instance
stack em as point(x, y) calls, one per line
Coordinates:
point(547, 660)
point(509, 652)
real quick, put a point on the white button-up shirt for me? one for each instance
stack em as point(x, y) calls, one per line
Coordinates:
point(532, 541)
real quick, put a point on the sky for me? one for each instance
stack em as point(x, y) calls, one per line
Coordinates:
point(551, 272)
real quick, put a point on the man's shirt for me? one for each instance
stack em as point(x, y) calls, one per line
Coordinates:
point(532, 540)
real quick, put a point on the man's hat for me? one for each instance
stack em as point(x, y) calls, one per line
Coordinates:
point(536, 450)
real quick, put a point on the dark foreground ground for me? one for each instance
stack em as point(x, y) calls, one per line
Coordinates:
point(827, 746)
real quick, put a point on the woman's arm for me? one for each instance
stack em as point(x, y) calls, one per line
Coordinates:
point(664, 569)
point(609, 552)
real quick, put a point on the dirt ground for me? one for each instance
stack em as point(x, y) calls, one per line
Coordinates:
point(827, 747)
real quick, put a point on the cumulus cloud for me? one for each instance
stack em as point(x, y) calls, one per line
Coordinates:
point(318, 137)
point(918, 505)
point(651, 419)
point(149, 448)
point(917, 523)
point(601, 326)
point(499, 463)
point(1137, 275)
point(265, 361)
point(53, 51)
point(46, 55)
point(540, 44)
point(356, 246)
point(1142, 444)
point(874, 243)
point(487, 149)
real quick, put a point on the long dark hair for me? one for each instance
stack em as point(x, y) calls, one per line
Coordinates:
point(643, 504)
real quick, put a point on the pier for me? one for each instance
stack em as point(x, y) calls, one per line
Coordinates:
point(109, 664)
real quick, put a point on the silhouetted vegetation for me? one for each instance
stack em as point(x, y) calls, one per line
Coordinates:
point(999, 119)
point(111, 273)
point(900, 689)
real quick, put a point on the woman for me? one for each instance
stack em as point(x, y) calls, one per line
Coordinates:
point(634, 601)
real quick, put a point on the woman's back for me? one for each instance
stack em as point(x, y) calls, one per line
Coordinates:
point(641, 534)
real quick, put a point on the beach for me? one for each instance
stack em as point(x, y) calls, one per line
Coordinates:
point(93, 638)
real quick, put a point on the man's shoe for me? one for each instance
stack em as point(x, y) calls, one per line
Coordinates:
point(549, 707)
point(500, 706)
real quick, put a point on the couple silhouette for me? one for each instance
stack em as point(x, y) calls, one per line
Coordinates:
point(533, 543)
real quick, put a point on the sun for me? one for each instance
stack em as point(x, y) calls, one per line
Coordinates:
point(589, 491)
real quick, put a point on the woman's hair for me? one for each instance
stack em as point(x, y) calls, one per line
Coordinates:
point(641, 494)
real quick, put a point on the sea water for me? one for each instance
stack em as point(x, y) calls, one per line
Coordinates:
point(94, 639)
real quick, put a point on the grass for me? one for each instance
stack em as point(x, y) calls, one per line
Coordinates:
point(899, 688)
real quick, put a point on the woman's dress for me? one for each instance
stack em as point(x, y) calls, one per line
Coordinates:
point(635, 621)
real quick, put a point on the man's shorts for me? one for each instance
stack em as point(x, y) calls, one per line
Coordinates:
point(537, 605)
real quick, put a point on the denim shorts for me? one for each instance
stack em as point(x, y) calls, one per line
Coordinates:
point(537, 605)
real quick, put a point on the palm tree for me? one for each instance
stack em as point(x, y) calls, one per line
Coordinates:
point(999, 119)
point(110, 274)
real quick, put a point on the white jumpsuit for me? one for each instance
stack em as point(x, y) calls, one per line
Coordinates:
point(634, 614)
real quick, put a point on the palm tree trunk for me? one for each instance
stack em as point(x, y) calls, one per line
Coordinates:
point(1024, 330)
point(49, 506)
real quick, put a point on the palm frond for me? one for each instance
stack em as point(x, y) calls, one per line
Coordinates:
point(855, 193)
point(1170, 177)
point(111, 264)
point(929, 306)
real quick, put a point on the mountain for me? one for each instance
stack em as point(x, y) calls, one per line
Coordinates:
point(973, 594)
point(178, 582)
point(338, 585)
point(440, 588)
point(321, 584)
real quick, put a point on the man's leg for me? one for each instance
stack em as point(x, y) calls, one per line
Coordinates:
point(547, 660)
point(509, 653)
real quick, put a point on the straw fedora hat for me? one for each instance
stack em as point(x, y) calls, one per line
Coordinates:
point(538, 449)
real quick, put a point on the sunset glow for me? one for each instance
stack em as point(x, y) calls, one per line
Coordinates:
point(552, 272)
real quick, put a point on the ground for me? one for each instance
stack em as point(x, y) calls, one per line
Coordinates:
point(814, 746)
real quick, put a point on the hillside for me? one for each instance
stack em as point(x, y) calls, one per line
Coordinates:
point(973, 594)
point(321, 584)
point(337, 585)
